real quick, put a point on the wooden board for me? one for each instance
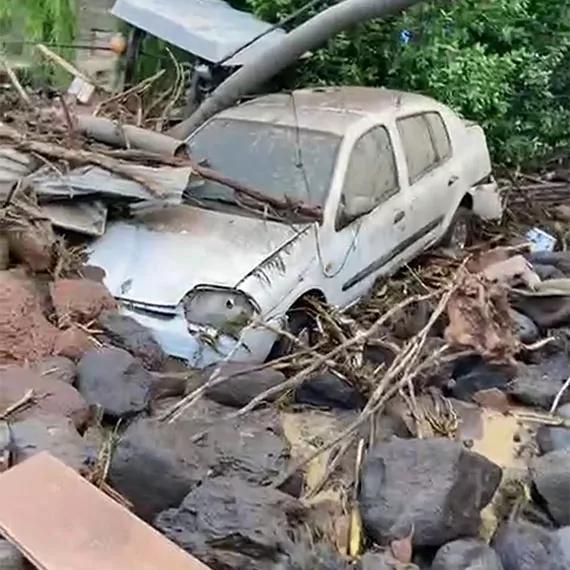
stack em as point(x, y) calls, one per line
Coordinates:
point(60, 521)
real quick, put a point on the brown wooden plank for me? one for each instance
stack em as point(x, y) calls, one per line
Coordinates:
point(60, 521)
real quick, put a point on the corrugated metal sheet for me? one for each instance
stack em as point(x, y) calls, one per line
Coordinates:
point(210, 29)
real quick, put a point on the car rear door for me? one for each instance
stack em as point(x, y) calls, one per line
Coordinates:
point(432, 175)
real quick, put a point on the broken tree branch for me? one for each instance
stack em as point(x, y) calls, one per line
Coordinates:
point(83, 157)
point(166, 148)
point(16, 82)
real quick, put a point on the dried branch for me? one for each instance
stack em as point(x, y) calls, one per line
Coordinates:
point(83, 157)
point(16, 82)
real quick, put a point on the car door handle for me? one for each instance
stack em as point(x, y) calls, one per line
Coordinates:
point(452, 180)
point(399, 216)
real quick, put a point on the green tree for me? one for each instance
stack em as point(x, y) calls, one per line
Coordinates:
point(503, 63)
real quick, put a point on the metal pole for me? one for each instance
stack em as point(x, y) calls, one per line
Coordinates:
point(309, 35)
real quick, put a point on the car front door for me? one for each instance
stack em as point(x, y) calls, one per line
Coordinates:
point(369, 218)
point(432, 181)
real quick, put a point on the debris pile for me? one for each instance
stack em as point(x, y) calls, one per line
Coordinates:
point(425, 428)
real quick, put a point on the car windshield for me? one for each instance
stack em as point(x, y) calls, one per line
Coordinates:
point(278, 161)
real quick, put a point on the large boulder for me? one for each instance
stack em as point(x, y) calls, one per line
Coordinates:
point(434, 486)
point(466, 554)
point(551, 475)
point(524, 546)
point(116, 381)
point(231, 524)
point(155, 464)
point(234, 386)
point(53, 396)
point(128, 334)
point(54, 434)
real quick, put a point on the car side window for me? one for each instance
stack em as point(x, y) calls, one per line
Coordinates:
point(371, 176)
point(440, 136)
point(426, 143)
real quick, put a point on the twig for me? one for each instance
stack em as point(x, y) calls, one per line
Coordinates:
point(16, 82)
point(67, 115)
point(556, 402)
point(25, 401)
point(64, 64)
point(144, 84)
point(79, 156)
point(301, 376)
point(215, 380)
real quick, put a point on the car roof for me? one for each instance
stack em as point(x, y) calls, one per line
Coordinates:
point(328, 109)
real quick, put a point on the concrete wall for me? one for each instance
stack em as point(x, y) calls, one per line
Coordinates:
point(95, 26)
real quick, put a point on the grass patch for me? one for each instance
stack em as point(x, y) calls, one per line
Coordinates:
point(42, 21)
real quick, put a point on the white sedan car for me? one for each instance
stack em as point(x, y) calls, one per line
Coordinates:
point(391, 173)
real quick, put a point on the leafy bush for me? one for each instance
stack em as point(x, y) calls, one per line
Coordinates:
point(47, 21)
point(503, 63)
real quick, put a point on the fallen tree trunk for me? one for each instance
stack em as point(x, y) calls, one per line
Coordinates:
point(127, 136)
point(83, 157)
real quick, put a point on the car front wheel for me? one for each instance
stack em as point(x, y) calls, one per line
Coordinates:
point(301, 325)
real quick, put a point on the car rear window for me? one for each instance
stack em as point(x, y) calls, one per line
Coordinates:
point(426, 143)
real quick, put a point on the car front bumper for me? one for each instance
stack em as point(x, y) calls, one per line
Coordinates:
point(202, 346)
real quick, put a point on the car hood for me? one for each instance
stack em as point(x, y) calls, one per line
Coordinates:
point(163, 255)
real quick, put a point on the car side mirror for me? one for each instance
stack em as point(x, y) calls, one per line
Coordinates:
point(356, 206)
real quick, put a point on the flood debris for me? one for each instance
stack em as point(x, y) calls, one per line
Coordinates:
point(423, 427)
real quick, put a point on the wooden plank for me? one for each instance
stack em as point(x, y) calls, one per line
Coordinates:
point(60, 521)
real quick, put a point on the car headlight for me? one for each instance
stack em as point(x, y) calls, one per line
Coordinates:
point(227, 310)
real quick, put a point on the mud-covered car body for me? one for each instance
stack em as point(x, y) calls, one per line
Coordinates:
point(215, 279)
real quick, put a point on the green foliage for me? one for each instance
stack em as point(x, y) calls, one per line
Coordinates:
point(47, 21)
point(503, 63)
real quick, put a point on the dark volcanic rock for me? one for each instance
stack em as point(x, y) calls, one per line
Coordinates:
point(54, 396)
point(381, 561)
point(558, 259)
point(538, 384)
point(239, 389)
point(56, 367)
point(156, 463)
point(128, 334)
point(466, 554)
point(523, 546)
point(563, 537)
point(10, 557)
point(551, 475)
point(525, 328)
point(547, 271)
point(305, 555)
point(228, 523)
point(328, 391)
point(434, 486)
point(551, 438)
point(115, 380)
point(472, 374)
point(54, 434)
